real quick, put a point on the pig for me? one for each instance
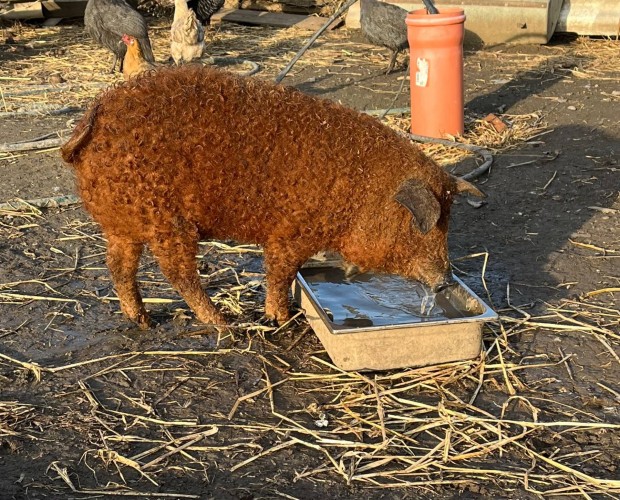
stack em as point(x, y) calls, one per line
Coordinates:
point(192, 153)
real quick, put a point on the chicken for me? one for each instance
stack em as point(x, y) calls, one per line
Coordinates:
point(205, 9)
point(106, 21)
point(134, 62)
point(187, 35)
point(384, 24)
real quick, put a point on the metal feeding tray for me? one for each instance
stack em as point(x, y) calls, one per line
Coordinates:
point(380, 322)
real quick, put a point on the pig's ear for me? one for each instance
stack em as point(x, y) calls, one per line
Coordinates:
point(421, 202)
point(462, 186)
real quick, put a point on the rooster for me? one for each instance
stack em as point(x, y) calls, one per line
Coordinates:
point(186, 34)
point(205, 9)
point(134, 62)
point(106, 21)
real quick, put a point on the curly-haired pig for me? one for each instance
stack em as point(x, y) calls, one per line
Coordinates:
point(192, 153)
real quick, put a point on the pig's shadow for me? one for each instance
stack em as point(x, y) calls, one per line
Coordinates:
point(532, 214)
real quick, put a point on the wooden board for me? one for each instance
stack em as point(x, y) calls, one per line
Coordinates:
point(64, 8)
point(27, 10)
point(264, 18)
point(48, 9)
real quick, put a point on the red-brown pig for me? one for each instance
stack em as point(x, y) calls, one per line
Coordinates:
point(194, 153)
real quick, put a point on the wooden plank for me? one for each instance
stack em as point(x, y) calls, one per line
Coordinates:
point(27, 10)
point(265, 18)
point(313, 23)
point(64, 8)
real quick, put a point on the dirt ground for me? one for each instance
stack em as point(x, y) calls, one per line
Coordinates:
point(92, 407)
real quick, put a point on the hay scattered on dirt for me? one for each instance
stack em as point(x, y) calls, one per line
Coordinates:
point(585, 58)
point(411, 427)
point(67, 53)
point(470, 425)
point(479, 132)
point(15, 419)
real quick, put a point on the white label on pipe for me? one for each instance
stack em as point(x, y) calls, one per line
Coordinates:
point(421, 76)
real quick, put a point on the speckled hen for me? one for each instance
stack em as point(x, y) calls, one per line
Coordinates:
point(384, 25)
point(106, 21)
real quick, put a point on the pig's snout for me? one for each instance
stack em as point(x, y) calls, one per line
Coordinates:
point(446, 283)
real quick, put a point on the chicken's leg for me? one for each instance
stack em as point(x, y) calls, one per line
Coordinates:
point(392, 62)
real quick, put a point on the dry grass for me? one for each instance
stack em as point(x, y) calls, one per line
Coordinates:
point(15, 418)
point(496, 422)
point(479, 132)
point(453, 425)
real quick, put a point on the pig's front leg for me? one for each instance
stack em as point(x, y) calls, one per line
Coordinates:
point(281, 269)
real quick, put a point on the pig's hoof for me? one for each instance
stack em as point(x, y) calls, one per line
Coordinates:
point(268, 321)
point(277, 319)
point(216, 320)
point(143, 321)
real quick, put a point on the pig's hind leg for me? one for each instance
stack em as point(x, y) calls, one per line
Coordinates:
point(176, 255)
point(123, 257)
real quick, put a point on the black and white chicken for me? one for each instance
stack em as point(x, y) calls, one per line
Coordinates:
point(106, 21)
point(204, 9)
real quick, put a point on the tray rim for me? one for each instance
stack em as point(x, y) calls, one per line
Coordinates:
point(488, 314)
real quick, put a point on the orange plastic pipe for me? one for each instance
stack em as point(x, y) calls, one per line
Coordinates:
point(436, 71)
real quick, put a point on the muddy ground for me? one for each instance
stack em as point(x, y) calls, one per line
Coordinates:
point(91, 406)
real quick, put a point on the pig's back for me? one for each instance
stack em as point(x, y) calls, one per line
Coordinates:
point(232, 154)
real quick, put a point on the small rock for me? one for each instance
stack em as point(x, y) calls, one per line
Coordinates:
point(56, 79)
point(572, 108)
point(496, 122)
point(476, 203)
point(322, 421)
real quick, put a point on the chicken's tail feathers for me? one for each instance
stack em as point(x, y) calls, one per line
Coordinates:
point(147, 51)
point(80, 135)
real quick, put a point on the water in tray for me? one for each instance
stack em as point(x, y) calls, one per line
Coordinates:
point(376, 299)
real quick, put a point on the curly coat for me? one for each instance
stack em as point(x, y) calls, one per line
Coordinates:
point(195, 153)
